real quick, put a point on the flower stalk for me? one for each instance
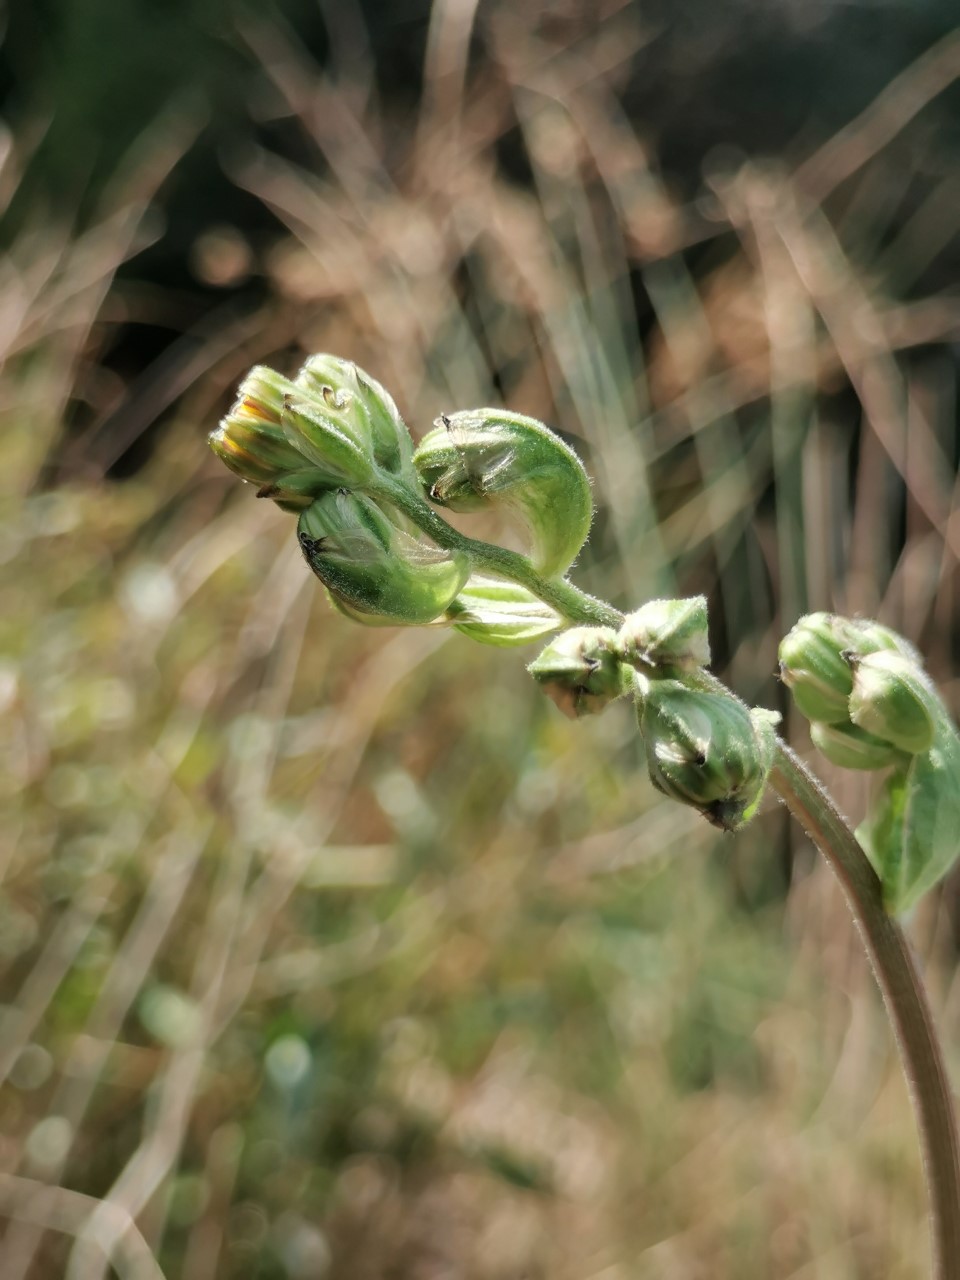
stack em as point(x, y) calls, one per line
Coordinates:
point(331, 446)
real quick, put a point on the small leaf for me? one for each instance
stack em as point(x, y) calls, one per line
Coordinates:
point(912, 837)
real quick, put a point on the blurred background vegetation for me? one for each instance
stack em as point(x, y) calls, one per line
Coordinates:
point(338, 953)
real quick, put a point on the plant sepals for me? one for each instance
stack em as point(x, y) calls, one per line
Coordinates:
point(706, 750)
point(372, 567)
point(850, 747)
point(333, 451)
point(360, 408)
point(893, 699)
point(815, 661)
point(666, 635)
point(580, 670)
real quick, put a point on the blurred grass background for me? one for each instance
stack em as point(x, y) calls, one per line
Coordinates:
point(336, 953)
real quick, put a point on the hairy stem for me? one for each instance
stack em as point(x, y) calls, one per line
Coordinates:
point(903, 993)
point(887, 948)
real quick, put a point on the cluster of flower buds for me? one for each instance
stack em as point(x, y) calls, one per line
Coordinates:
point(324, 443)
point(872, 706)
point(704, 747)
point(297, 439)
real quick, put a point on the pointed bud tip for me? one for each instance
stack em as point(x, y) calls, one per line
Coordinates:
point(580, 670)
point(666, 634)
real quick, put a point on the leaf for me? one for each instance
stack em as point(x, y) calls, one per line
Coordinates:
point(913, 837)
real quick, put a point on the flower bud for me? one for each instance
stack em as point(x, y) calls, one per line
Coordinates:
point(814, 669)
point(489, 457)
point(706, 750)
point(580, 671)
point(250, 439)
point(815, 660)
point(501, 613)
point(850, 747)
point(360, 408)
point(666, 634)
point(289, 441)
point(373, 569)
point(893, 699)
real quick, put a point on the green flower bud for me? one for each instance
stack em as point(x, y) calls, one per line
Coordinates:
point(580, 670)
point(360, 408)
point(815, 661)
point(851, 747)
point(893, 699)
point(373, 569)
point(250, 439)
point(814, 669)
point(489, 457)
point(295, 442)
point(706, 750)
point(666, 634)
point(501, 613)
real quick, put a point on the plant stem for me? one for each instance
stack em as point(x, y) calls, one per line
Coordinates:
point(903, 993)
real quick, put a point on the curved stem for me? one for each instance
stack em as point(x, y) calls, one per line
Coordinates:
point(903, 993)
point(569, 601)
point(887, 948)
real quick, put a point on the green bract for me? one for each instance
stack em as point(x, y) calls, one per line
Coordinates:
point(501, 613)
point(373, 569)
point(334, 451)
point(580, 670)
point(486, 457)
point(893, 699)
point(250, 439)
point(912, 834)
point(706, 750)
point(814, 669)
point(359, 407)
point(666, 634)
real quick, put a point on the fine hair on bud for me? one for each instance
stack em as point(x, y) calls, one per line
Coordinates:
point(484, 458)
point(705, 749)
point(815, 661)
point(893, 699)
point(580, 670)
point(668, 635)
